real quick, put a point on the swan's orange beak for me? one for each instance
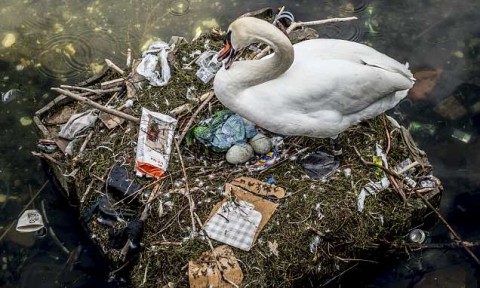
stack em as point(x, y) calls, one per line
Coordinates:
point(228, 52)
point(225, 51)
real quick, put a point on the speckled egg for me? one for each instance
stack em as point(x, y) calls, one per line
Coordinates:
point(261, 144)
point(239, 153)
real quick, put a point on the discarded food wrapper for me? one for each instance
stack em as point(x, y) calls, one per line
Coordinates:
point(154, 143)
point(209, 65)
point(223, 130)
point(265, 161)
point(372, 188)
point(204, 271)
point(30, 221)
point(235, 224)
point(146, 68)
point(78, 123)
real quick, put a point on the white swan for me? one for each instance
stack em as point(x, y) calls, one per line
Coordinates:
point(315, 88)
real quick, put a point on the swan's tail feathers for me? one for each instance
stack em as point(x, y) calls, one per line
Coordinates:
point(399, 95)
point(407, 65)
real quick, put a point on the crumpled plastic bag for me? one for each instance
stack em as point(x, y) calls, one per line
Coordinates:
point(223, 130)
point(209, 65)
point(146, 68)
point(10, 95)
point(77, 123)
point(372, 188)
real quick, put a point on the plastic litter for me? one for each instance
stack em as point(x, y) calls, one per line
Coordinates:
point(208, 66)
point(78, 123)
point(372, 188)
point(265, 161)
point(223, 130)
point(10, 95)
point(154, 143)
point(320, 165)
point(30, 221)
point(417, 236)
point(120, 183)
point(461, 136)
point(155, 52)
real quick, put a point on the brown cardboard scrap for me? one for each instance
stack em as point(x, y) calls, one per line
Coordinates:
point(110, 120)
point(259, 187)
point(204, 272)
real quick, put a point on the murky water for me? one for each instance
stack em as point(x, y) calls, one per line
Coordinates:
point(48, 42)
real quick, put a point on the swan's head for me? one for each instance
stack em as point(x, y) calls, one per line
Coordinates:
point(239, 35)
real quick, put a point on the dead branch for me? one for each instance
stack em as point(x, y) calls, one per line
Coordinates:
point(114, 67)
point(299, 24)
point(96, 105)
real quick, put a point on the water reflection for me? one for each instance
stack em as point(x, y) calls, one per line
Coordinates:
point(45, 42)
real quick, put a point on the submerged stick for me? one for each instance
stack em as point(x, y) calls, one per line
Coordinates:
point(454, 233)
point(96, 105)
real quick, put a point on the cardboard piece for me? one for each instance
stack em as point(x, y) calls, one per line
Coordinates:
point(259, 187)
point(204, 272)
point(110, 121)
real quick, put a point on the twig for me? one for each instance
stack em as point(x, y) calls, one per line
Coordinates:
point(387, 134)
point(296, 25)
point(219, 265)
point(338, 275)
point(48, 157)
point(89, 187)
point(469, 251)
point(194, 115)
point(129, 57)
point(386, 170)
point(25, 208)
point(356, 260)
point(96, 105)
point(408, 167)
point(189, 196)
point(114, 67)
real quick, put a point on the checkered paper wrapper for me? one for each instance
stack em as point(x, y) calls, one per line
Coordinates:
point(235, 224)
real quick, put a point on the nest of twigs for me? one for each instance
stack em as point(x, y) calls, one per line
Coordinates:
point(322, 211)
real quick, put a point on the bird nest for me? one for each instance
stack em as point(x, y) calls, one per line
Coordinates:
point(316, 229)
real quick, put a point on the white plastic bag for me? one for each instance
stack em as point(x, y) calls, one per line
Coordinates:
point(156, 51)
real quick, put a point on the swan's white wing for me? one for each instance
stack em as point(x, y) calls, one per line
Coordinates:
point(349, 51)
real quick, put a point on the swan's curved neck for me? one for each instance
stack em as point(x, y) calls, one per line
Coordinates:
point(253, 72)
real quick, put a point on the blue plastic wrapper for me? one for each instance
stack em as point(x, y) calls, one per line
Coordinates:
point(223, 130)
